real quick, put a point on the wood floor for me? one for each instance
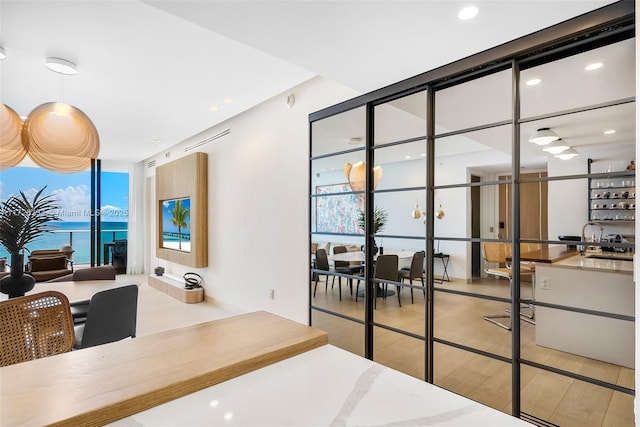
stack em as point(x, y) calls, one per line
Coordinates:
point(554, 398)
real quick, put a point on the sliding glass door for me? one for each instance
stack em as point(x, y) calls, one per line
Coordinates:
point(511, 276)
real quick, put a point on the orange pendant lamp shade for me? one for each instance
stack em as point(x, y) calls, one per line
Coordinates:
point(60, 137)
point(12, 151)
point(356, 175)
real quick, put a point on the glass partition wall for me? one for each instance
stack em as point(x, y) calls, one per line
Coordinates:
point(478, 258)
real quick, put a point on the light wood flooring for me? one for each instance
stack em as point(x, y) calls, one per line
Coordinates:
point(554, 398)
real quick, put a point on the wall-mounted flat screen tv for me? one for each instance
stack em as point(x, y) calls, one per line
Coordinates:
point(176, 224)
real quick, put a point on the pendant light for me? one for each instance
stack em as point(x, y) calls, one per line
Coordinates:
point(356, 175)
point(58, 136)
point(12, 150)
point(567, 154)
point(556, 147)
point(543, 136)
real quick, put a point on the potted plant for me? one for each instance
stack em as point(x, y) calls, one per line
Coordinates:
point(21, 222)
point(380, 217)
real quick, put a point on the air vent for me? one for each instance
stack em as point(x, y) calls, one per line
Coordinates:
point(151, 164)
point(207, 140)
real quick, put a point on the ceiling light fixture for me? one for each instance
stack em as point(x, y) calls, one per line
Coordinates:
point(58, 136)
point(3, 55)
point(556, 147)
point(594, 66)
point(12, 150)
point(356, 175)
point(533, 82)
point(214, 109)
point(61, 66)
point(567, 154)
point(355, 140)
point(609, 132)
point(544, 136)
point(228, 101)
point(468, 13)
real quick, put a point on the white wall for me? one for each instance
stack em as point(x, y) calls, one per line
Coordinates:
point(258, 210)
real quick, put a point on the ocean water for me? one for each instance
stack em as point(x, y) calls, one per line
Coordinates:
point(76, 234)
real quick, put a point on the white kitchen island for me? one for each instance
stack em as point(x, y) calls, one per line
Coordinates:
point(326, 386)
point(601, 285)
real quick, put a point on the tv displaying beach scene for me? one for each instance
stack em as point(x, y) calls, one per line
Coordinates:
point(176, 224)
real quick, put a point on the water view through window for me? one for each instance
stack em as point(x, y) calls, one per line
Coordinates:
point(72, 193)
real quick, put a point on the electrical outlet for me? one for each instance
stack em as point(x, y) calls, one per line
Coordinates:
point(544, 283)
point(272, 294)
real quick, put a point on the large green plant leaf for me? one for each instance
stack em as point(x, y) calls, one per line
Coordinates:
point(23, 220)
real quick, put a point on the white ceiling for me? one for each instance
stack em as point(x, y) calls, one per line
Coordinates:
point(150, 70)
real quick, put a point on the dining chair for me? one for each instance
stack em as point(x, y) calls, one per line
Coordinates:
point(386, 268)
point(111, 317)
point(414, 272)
point(345, 267)
point(322, 263)
point(497, 253)
point(103, 272)
point(35, 326)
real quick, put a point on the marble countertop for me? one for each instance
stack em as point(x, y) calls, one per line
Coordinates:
point(325, 386)
point(596, 264)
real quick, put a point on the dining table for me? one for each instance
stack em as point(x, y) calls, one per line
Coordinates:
point(360, 256)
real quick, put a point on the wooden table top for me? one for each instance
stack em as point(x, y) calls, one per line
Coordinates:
point(101, 384)
point(76, 291)
point(547, 255)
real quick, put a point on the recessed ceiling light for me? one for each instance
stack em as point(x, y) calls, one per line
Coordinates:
point(355, 140)
point(468, 13)
point(61, 66)
point(424, 154)
point(214, 108)
point(228, 101)
point(533, 82)
point(594, 66)
point(407, 157)
point(2, 54)
point(609, 132)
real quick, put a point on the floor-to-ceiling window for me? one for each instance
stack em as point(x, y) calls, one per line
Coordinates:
point(76, 195)
point(527, 304)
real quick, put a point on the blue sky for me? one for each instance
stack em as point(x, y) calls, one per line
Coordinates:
point(72, 191)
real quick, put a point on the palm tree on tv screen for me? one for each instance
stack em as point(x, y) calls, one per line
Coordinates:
point(179, 217)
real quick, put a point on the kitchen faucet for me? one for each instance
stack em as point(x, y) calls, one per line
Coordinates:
point(593, 236)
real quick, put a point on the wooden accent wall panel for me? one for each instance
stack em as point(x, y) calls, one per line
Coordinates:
point(185, 177)
point(102, 384)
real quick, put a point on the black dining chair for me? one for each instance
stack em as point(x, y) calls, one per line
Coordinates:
point(414, 272)
point(103, 272)
point(322, 263)
point(345, 267)
point(386, 268)
point(112, 316)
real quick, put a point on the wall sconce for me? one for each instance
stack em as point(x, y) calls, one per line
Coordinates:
point(356, 175)
point(417, 213)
